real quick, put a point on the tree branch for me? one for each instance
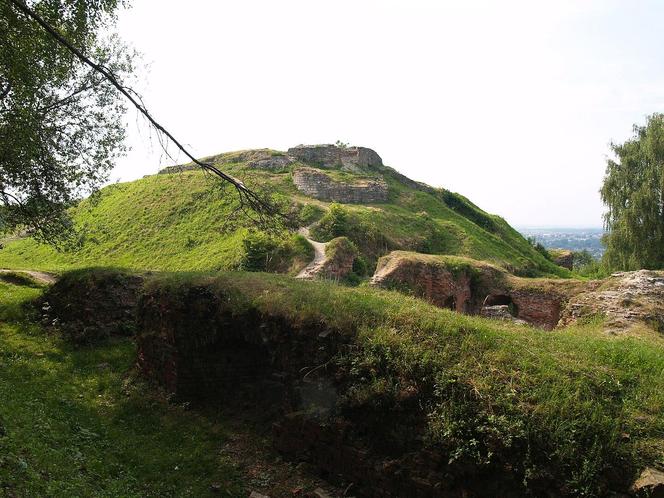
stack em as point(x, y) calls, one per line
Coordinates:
point(5, 91)
point(247, 196)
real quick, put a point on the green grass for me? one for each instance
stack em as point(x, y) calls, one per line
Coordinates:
point(75, 422)
point(577, 404)
point(181, 222)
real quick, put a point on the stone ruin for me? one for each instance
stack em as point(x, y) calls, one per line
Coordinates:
point(327, 156)
point(486, 291)
point(310, 180)
point(352, 159)
point(317, 184)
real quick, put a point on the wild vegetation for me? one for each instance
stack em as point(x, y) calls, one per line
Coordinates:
point(577, 408)
point(77, 422)
point(61, 123)
point(633, 191)
point(184, 221)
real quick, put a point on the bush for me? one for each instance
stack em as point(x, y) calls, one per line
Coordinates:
point(263, 252)
point(360, 266)
point(335, 223)
point(259, 249)
point(540, 248)
point(310, 213)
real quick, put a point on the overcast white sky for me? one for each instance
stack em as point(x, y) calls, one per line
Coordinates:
point(511, 103)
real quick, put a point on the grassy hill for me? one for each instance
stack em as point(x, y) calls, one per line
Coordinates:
point(182, 221)
point(578, 410)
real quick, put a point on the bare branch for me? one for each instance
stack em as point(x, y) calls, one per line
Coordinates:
point(247, 196)
point(5, 91)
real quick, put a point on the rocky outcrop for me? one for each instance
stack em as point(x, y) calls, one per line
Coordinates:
point(275, 163)
point(353, 159)
point(624, 299)
point(316, 184)
point(563, 257)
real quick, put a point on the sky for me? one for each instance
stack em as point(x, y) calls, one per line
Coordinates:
point(511, 103)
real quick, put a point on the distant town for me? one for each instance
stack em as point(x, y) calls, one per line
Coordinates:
point(575, 239)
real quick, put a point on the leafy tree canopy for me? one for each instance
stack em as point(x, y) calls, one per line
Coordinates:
point(61, 124)
point(633, 192)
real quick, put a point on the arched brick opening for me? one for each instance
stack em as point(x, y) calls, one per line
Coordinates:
point(501, 300)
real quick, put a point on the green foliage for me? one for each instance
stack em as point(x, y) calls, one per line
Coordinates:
point(265, 252)
point(357, 226)
point(164, 222)
point(259, 250)
point(585, 265)
point(463, 206)
point(553, 407)
point(335, 223)
point(341, 247)
point(360, 266)
point(184, 222)
point(76, 422)
point(633, 192)
point(310, 213)
point(61, 124)
point(540, 248)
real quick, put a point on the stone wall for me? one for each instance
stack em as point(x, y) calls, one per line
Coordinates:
point(354, 159)
point(318, 185)
point(539, 308)
point(433, 282)
point(203, 351)
point(340, 253)
point(482, 289)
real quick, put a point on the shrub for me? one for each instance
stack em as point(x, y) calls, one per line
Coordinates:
point(259, 249)
point(310, 213)
point(335, 223)
point(263, 252)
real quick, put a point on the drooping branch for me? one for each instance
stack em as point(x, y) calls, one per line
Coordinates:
point(5, 91)
point(247, 196)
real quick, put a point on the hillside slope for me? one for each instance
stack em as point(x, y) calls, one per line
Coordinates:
point(182, 221)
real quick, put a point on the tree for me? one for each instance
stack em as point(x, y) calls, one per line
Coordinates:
point(633, 192)
point(61, 125)
point(61, 105)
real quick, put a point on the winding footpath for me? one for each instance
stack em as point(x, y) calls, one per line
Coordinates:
point(310, 271)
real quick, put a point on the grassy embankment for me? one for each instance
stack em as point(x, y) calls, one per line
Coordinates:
point(576, 402)
point(74, 422)
point(180, 222)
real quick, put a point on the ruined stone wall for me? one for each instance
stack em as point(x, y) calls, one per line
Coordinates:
point(428, 278)
point(203, 352)
point(340, 254)
point(538, 308)
point(354, 159)
point(318, 185)
point(435, 283)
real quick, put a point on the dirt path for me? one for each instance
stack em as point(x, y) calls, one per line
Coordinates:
point(310, 271)
point(39, 276)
